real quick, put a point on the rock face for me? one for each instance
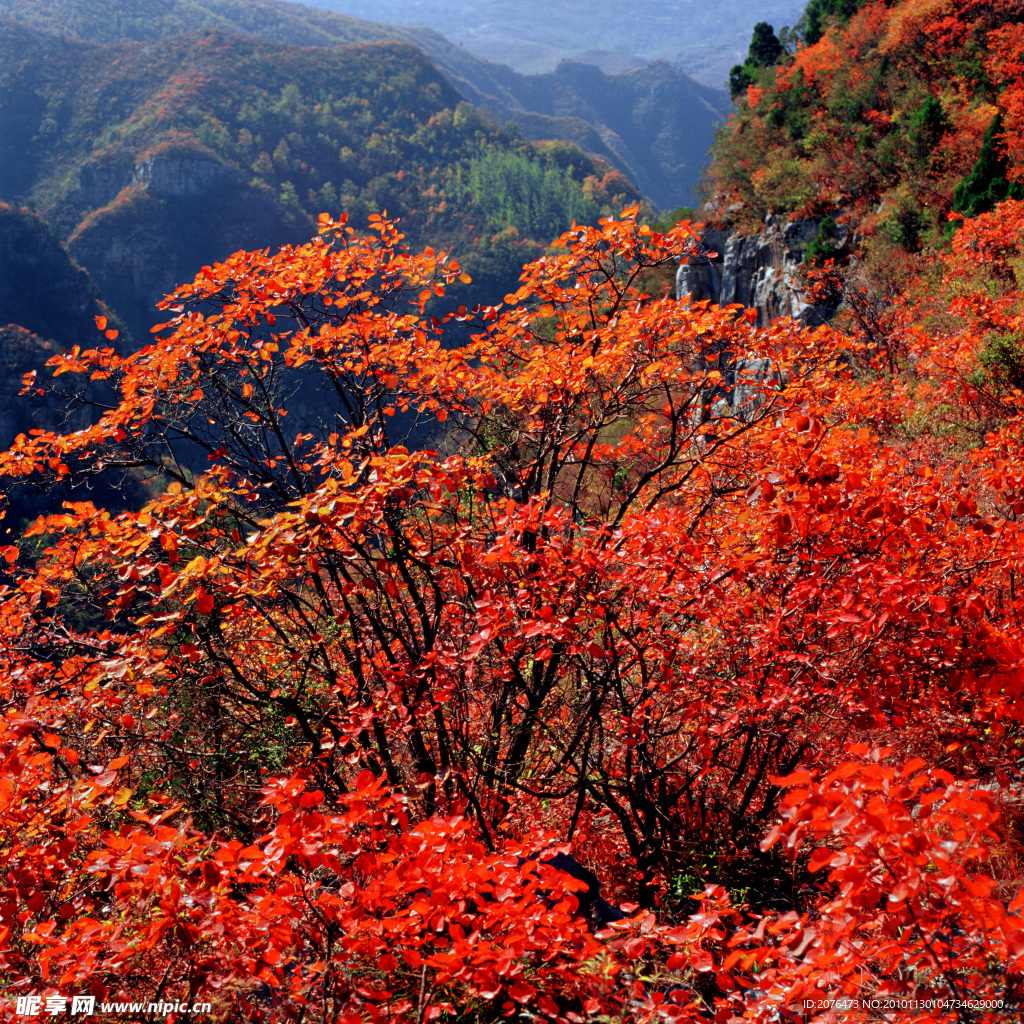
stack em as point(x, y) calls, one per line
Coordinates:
point(759, 271)
point(178, 176)
point(167, 216)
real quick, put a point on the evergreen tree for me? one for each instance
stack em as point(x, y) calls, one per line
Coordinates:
point(986, 184)
point(765, 52)
point(765, 48)
point(814, 20)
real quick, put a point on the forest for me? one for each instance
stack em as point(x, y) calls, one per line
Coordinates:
point(251, 140)
point(424, 596)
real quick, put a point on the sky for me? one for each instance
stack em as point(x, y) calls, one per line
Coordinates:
point(703, 39)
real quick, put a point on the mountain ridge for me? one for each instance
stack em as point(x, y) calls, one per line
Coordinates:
point(669, 160)
point(703, 41)
point(152, 159)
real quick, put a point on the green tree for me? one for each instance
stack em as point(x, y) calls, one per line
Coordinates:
point(765, 52)
point(818, 13)
point(765, 48)
point(986, 184)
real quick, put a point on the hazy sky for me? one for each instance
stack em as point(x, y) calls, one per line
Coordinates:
point(704, 39)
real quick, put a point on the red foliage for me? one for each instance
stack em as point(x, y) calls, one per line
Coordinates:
point(279, 739)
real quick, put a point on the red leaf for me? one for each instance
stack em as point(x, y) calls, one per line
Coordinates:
point(701, 960)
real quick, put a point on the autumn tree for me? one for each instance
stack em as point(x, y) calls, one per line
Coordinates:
point(415, 599)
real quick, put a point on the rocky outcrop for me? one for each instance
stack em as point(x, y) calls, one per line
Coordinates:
point(98, 182)
point(758, 271)
point(182, 173)
point(185, 175)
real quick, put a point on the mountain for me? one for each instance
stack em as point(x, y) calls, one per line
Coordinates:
point(534, 37)
point(654, 124)
point(645, 121)
point(151, 159)
point(48, 304)
point(41, 289)
point(850, 164)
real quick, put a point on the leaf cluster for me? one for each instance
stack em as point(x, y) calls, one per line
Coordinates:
point(705, 602)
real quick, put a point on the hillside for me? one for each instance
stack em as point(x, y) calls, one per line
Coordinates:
point(152, 159)
point(586, 655)
point(48, 305)
point(860, 141)
point(41, 289)
point(882, 115)
point(655, 124)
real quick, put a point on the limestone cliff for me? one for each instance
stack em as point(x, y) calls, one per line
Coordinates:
point(759, 271)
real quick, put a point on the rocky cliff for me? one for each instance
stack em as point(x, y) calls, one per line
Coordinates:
point(161, 219)
point(759, 271)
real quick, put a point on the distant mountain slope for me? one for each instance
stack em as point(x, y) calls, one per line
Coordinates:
point(152, 159)
point(41, 289)
point(647, 120)
point(103, 21)
point(532, 36)
point(654, 124)
point(47, 303)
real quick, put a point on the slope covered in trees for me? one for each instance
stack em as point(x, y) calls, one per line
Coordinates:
point(881, 115)
point(660, 145)
point(152, 159)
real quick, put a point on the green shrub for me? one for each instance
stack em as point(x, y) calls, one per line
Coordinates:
point(822, 247)
point(1001, 362)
